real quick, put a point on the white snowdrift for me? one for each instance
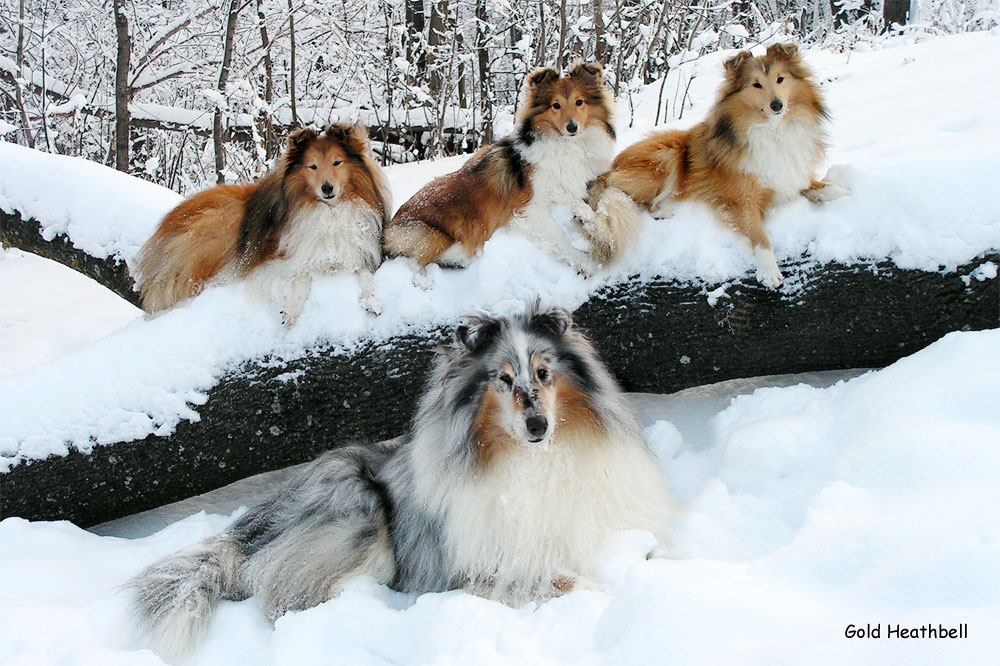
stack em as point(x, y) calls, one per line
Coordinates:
point(805, 510)
point(923, 178)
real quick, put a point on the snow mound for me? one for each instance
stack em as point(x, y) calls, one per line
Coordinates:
point(805, 510)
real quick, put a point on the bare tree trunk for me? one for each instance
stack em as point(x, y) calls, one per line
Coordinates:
point(648, 75)
point(621, 46)
point(895, 11)
point(435, 40)
point(560, 55)
point(19, 97)
point(227, 59)
point(483, 54)
point(416, 55)
point(266, 122)
point(540, 53)
point(463, 94)
point(122, 90)
point(291, 72)
point(600, 43)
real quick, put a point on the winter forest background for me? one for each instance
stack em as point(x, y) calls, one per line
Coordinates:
point(185, 93)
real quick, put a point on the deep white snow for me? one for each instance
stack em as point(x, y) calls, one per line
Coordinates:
point(803, 510)
point(923, 175)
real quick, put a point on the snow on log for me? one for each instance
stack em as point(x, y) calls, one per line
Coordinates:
point(658, 335)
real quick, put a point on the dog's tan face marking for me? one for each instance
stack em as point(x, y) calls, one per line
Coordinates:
point(568, 111)
point(769, 90)
point(325, 170)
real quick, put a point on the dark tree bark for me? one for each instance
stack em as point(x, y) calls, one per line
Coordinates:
point(291, 71)
point(561, 53)
point(266, 125)
point(540, 51)
point(600, 43)
point(227, 58)
point(416, 54)
point(895, 12)
point(436, 39)
point(483, 57)
point(123, 92)
point(656, 336)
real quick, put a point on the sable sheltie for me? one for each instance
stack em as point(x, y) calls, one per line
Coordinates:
point(322, 208)
point(565, 139)
point(759, 146)
point(522, 458)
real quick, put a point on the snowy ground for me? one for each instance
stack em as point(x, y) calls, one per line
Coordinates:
point(804, 510)
point(914, 135)
point(805, 507)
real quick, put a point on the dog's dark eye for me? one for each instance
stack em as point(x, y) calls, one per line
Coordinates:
point(757, 85)
point(543, 374)
point(338, 162)
point(780, 79)
point(556, 106)
point(579, 102)
point(507, 380)
point(312, 166)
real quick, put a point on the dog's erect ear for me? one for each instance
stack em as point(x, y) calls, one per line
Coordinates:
point(359, 132)
point(541, 76)
point(554, 322)
point(337, 131)
point(476, 332)
point(785, 51)
point(734, 66)
point(587, 72)
point(301, 137)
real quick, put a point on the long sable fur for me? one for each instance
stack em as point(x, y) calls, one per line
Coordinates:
point(239, 226)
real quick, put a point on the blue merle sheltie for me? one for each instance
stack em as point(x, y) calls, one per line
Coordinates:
point(522, 458)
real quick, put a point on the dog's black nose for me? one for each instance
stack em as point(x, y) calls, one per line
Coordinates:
point(537, 425)
point(776, 105)
point(327, 189)
point(571, 127)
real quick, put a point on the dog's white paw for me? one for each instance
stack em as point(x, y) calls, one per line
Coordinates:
point(289, 319)
point(829, 192)
point(372, 305)
point(768, 273)
point(583, 213)
point(421, 281)
point(663, 210)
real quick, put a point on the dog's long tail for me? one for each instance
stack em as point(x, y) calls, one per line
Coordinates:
point(175, 598)
point(615, 224)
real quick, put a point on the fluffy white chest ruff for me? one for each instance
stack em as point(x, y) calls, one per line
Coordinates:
point(561, 169)
point(544, 511)
point(562, 166)
point(783, 156)
point(323, 238)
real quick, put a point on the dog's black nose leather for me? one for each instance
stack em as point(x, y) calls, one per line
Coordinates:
point(327, 188)
point(571, 127)
point(536, 425)
point(776, 105)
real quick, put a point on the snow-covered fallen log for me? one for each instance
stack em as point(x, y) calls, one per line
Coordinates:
point(658, 335)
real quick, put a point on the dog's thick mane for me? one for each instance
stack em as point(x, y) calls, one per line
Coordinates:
point(280, 194)
point(543, 83)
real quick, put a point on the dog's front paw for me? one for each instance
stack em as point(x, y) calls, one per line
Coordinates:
point(289, 319)
point(829, 192)
point(768, 273)
point(421, 280)
point(583, 213)
point(372, 305)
